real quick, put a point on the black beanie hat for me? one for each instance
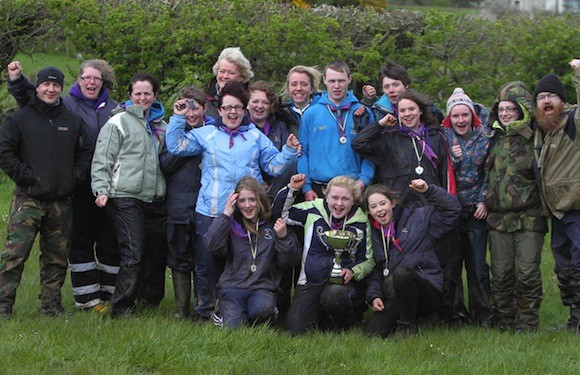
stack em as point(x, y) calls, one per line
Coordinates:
point(50, 74)
point(551, 83)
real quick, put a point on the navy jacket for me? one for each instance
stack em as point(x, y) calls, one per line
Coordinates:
point(418, 230)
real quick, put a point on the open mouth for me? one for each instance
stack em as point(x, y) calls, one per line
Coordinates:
point(548, 109)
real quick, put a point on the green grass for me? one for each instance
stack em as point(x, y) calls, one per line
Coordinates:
point(154, 343)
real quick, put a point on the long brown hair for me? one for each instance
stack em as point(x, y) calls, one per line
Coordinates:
point(251, 184)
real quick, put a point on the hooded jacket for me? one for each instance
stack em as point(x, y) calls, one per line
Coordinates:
point(45, 151)
point(513, 197)
point(323, 156)
point(558, 156)
point(223, 165)
point(183, 180)
point(418, 231)
point(317, 257)
point(126, 159)
point(470, 173)
point(273, 254)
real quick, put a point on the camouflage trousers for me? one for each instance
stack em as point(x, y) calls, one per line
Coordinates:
point(516, 280)
point(28, 217)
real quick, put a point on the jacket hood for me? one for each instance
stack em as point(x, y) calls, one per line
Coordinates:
point(384, 104)
point(156, 111)
point(350, 99)
point(515, 92)
point(475, 121)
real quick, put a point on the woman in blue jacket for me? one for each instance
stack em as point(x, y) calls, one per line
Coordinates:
point(257, 247)
point(231, 149)
point(407, 280)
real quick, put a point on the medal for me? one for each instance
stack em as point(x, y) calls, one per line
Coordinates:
point(385, 272)
point(419, 170)
point(254, 247)
point(342, 139)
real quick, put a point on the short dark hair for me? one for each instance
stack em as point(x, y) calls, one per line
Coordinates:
point(235, 89)
point(140, 77)
point(192, 92)
point(396, 72)
point(339, 66)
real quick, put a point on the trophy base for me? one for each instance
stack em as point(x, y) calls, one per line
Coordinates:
point(336, 280)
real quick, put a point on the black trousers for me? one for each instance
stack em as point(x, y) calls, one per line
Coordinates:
point(142, 256)
point(414, 296)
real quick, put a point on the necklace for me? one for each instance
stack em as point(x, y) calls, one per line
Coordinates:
point(254, 247)
point(386, 248)
point(419, 170)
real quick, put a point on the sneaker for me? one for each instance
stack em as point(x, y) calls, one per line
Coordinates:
point(52, 310)
point(101, 309)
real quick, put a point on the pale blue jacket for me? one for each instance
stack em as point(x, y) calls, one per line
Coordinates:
point(222, 166)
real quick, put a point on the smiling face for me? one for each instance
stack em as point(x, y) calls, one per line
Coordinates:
point(340, 200)
point(247, 203)
point(259, 107)
point(409, 114)
point(231, 111)
point(507, 112)
point(299, 89)
point(227, 72)
point(393, 88)
point(142, 95)
point(49, 92)
point(336, 85)
point(90, 82)
point(461, 120)
point(194, 117)
point(381, 208)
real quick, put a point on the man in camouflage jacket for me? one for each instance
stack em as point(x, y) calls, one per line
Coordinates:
point(558, 156)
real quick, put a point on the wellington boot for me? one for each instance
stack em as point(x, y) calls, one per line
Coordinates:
point(182, 290)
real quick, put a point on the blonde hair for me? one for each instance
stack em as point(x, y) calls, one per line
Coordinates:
point(347, 183)
point(312, 73)
point(235, 56)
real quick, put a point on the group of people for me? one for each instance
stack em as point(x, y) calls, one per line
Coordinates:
point(242, 195)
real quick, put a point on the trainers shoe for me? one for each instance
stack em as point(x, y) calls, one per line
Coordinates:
point(102, 309)
point(53, 310)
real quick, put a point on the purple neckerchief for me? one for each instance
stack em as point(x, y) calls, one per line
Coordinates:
point(233, 132)
point(266, 128)
point(75, 91)
point(340, 115)
point(385, 231)
point(239, 230)
point(422, 135)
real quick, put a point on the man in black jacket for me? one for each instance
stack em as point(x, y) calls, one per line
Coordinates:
point(44, 149)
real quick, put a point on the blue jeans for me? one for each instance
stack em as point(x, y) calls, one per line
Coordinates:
point(566, 250)
point(206, 271)
point(239, 306)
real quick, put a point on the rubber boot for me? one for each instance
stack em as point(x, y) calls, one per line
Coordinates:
point(404, 330)
point(182, 290)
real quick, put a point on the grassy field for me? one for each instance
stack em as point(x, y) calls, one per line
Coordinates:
point(154, 343)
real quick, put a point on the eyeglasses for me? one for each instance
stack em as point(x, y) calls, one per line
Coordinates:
point(546, 96)
point(237, 108)
point(89, 78)
point(506, 109)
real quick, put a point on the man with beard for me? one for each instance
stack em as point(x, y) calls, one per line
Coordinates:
point(557, 152)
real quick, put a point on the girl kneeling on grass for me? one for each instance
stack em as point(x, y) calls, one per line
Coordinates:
point(320, 301)
point(407, 280)
point(257, 248)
